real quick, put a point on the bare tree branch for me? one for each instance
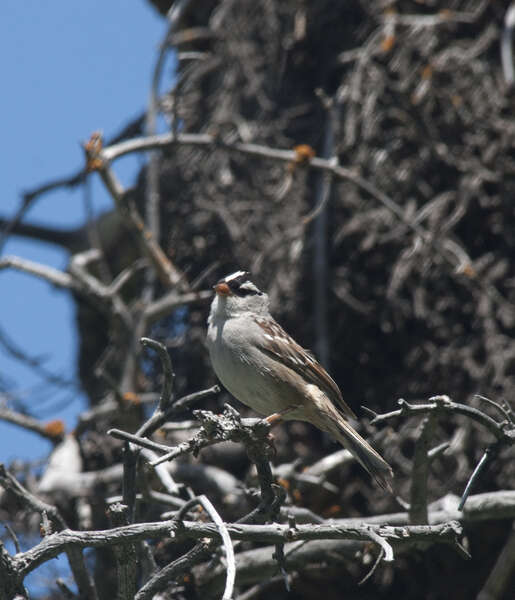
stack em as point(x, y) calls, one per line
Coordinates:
point(444, 405)
point(47, 430)
point(49, 274)
point(126, 556)
point(421, 461)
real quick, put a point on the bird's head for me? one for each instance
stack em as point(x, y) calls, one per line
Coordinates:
point(236, 294)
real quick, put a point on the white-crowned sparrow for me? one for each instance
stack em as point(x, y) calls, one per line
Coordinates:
point(263, 367)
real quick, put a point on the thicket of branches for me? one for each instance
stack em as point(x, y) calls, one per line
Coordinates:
point(357, 157)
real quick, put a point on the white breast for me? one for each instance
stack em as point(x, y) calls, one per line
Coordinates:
point(244, 370)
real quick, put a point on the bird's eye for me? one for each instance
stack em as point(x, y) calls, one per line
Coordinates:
point(242, 292)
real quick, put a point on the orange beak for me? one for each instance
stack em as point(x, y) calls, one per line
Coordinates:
point(222, 289)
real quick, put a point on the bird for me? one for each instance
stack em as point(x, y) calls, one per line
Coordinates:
point(267, 370)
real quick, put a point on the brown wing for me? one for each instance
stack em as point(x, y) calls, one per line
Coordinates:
point(282, 347)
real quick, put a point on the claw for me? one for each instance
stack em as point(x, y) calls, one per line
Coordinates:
point(271, 442)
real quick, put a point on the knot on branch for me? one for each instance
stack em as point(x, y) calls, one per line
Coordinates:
point(441, 401)
point(254, 435)
point(218, 426)
point(229, 426)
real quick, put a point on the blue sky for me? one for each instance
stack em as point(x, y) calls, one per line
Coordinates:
point(68, 69)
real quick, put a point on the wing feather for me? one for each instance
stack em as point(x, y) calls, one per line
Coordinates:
point(281, 347)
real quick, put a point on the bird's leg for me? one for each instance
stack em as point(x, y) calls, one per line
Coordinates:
point(278, 416)
point(275, 418)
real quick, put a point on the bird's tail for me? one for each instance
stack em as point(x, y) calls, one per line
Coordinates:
point(378, 468)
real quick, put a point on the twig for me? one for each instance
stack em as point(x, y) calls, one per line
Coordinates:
point(196, 555)
point(64, 589)
point(126, 558)
point(163, 473)
point(168, 273)
point(160, 580)
point(124, 276)
point(111, 153)
point(506, 414)
point(230, 426)
point(155, 423)
point(157, 497)
point(273, 533)
point(213, 479)
point(437, 450)
point(106, 296)
point(152, 179)
point(171, 301)
point(281, 561)
point(380, 556)
point(256, 565)
point(214, 429)
point(49, 274)
point(440, 18)
point(180, 425)
point(79, 281)
point(81, 575)
point(130, 457)
point(168, 374)
point(504, 433)
point(138, 441)
point(301, 514)
point(50, 433)
point(383, 544)
point(12, 584)
point(131, 129)
point(420, 472)
point(148, 563)
point(93, 233)
point(13, 537)
point(8, 481)
point(444, 405)
point(323, 187)
point(186, 401)
point(130, 465)
point(507, 45)
point(203, 139)
point(229, 550)
point(33, 362)
point(488, 455)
